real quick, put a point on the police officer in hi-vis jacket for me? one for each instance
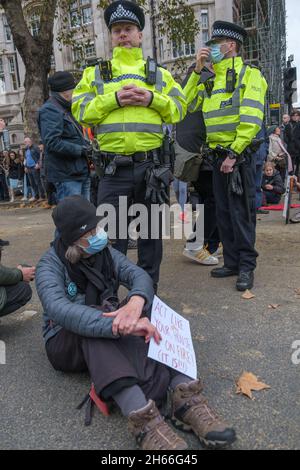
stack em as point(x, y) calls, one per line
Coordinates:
point(127, 100)
point(232, 102)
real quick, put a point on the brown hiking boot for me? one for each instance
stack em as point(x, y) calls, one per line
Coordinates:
point(190, 412)
point(151, 431)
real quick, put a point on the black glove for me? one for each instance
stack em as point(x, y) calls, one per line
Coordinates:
point(235, 184)
point(87, 152)
point(158, 180)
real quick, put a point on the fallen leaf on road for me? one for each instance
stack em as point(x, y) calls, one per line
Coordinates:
point(248, 382)
point(274, 306)
point(248, 295)
point(297, 291)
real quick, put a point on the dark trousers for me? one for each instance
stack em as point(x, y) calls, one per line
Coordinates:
point(35, 182)
point(50, 191)
point(17, 296)
point(237, 232)
point(271, 198)
point(3, 188)
point(259, 169)
point(109, 361)
point(204, 188)
point(129, 182)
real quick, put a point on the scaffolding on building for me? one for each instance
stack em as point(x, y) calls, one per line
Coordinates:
point(265, 22)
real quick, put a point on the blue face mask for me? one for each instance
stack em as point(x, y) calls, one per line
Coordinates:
point(215, 53)
point(97, 242)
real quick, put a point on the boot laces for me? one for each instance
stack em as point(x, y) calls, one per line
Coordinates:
point(200, 407)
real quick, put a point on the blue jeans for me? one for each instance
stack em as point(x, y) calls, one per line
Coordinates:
point(180, 189)
point(73, 188)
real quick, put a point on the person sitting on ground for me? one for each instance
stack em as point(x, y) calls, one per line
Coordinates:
point(85, 328)
point(278, 154)
point(15, 291)
point(272, 184)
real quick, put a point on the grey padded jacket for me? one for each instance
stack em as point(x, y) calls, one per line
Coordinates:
point(64, 306)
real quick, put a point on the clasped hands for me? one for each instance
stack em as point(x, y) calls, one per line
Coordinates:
point(132, 95)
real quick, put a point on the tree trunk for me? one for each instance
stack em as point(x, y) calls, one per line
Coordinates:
point(36, 92)
point(36, 55)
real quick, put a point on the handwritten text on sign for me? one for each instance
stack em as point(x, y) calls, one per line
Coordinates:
point(176, 347)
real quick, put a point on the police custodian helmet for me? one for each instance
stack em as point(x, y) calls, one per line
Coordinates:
point(123, 11)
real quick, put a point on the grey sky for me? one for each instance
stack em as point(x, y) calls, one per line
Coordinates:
point(293, 34)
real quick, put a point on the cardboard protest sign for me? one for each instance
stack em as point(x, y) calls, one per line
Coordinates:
point(176, 348)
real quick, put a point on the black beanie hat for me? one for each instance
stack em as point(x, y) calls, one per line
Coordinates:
point(74, 216)
point(61, 81)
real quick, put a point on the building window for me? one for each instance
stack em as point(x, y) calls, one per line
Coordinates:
point(205, 37)
point(204, 19)
point(80, 13)
point(77, 54)
point(90, 50)
point(12, 70)
point(7, 31)
point(34, 25)
point(86, 15)
point(2, 78)
point(183, 50)
point(14, 138)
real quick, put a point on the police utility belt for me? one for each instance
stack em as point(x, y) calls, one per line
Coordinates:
point(112, 161)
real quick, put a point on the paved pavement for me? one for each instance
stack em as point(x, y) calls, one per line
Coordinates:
point(231, 335)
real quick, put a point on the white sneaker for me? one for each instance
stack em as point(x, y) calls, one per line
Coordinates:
point(201, 256)
point(219, 252)
point(24, 199)
point(32, 199)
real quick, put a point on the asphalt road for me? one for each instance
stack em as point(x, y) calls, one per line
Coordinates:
point(231, 335)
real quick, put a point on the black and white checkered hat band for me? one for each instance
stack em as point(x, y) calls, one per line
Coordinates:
point(122, 15)
point(227, 33)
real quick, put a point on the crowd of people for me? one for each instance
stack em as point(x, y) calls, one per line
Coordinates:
point(77, 279)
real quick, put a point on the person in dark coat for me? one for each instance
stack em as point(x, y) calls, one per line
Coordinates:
point(292, 139)
point(66, 149)
point(272, 184)
point(85, 328)
point(15, 173)
point(15, 291)
point(32, 169)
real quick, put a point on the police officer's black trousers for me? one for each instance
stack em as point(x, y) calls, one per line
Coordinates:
point(236, 228)
point(128, 181)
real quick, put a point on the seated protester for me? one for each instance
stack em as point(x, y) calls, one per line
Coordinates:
point(85, 329)
point(278, 154)
point(15, 291)
point(272, 184)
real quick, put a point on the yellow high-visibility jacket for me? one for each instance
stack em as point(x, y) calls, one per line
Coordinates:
point(127, 129)
point(231, 119)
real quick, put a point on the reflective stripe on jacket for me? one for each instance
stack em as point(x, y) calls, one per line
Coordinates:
point(131, 128)
point(231, 119)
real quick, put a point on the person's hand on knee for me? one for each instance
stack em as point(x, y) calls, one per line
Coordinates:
point(127, 316)
point(27, 273)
